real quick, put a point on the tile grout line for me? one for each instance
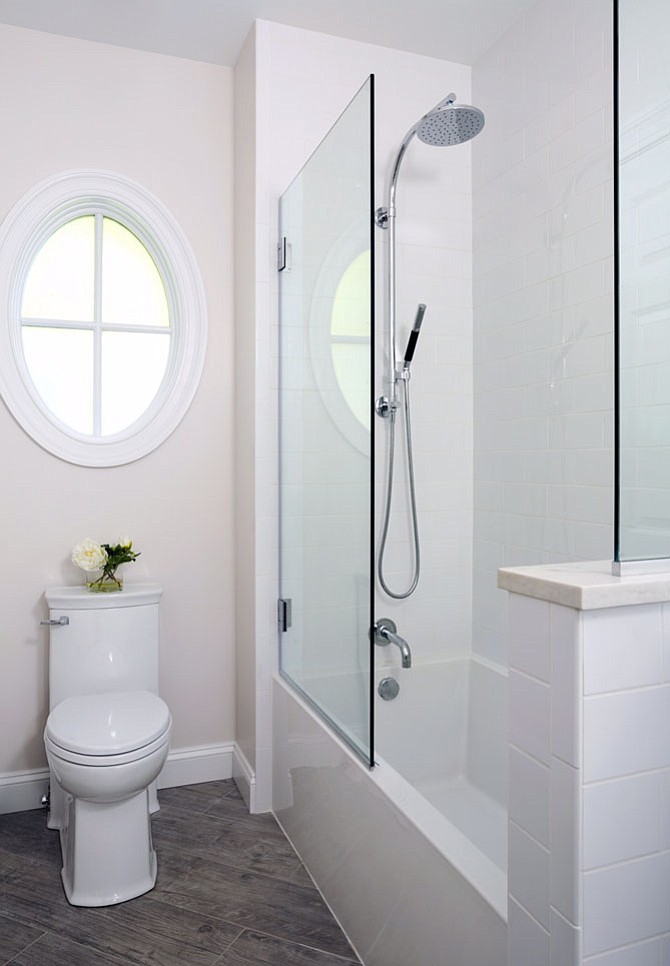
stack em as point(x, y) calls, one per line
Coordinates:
point(228, 947)
point(289, 942)
point(27, 837)
point(21, 951)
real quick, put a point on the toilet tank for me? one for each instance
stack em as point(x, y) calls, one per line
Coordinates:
point(110, 642)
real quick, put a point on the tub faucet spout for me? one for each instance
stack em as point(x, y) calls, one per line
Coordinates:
point(385, 633)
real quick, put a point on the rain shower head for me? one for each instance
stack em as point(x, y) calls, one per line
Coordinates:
point(450, 123)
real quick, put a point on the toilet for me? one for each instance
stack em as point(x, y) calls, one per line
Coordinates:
point(106, 739)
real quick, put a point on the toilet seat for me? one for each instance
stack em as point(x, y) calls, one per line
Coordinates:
point(108, 729)
point(106, 761)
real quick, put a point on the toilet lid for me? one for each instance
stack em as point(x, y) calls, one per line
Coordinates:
point(108, 724)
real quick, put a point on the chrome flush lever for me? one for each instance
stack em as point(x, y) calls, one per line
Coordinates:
point(59, 623)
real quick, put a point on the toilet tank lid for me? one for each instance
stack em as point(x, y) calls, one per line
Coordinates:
point(108, 724)
point(79, 598)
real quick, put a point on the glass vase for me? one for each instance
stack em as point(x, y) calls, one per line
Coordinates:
point(104, 583)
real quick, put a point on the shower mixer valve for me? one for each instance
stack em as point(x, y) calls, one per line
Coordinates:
point(385, 407)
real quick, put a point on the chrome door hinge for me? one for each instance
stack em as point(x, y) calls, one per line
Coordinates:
point(283, 255)
point(284, 608)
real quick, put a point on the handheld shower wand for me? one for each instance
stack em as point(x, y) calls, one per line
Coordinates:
point(414, 336)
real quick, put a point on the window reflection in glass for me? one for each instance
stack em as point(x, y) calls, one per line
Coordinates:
point(350, 336)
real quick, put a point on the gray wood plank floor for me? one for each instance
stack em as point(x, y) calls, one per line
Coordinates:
point(231, 892)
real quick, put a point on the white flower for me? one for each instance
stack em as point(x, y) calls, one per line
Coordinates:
point(89, 555)
point(126, 542)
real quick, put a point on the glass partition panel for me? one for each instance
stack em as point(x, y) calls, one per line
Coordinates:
point(643, 171)
point(325, 489)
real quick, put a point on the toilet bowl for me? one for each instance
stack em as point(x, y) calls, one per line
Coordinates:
point(104, 751)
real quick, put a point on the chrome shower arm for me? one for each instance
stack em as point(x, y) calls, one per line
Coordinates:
point(446, 102)
point(391, 285)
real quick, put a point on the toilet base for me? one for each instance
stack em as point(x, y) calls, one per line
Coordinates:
point(107, 851)
point(57, 803)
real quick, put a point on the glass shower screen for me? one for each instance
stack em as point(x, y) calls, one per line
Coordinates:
point(643, 262)
point(326, 264)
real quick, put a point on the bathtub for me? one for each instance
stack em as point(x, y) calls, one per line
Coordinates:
point(411, 855)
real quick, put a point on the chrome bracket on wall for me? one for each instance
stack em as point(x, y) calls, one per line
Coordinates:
point(385, 407)
point(382, 217)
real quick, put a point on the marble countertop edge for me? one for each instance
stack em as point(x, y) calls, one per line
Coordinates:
point(586, 585)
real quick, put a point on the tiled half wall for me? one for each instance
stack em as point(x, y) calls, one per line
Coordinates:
point(589, 757)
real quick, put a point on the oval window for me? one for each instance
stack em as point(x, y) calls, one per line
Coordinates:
point(106, 319)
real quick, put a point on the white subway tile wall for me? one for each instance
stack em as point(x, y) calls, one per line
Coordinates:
point(434, 266)
point(529, 872)
point(565, 796)
point(566, 685)
point(565, 941)
point(626, 777)
point(595, 808)
point(529, 941)
point(543, 301)
point(545, 789)
point(638, 954)
point(529, 794)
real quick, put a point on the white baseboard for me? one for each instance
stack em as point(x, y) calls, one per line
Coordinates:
point(190, 766)
point(20, 791)
point(244, 777)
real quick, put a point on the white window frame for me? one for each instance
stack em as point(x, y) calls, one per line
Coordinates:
point(29, 224)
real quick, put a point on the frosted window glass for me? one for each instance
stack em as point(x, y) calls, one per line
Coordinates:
point(60, 363)
point(351, 306)
point(132, 289)
point(59, 284)
point(133, 366)
point(352, 370)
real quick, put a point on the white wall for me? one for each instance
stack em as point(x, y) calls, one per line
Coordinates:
point(245, 390)
point(167, 124)
point(543, 244)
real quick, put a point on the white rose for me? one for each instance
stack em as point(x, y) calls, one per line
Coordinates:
point(126, 542)
point(89, 555)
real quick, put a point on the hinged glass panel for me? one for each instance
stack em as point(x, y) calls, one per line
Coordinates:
point(326, 260)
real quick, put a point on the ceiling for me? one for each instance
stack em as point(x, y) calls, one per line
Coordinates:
point(214, 30)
